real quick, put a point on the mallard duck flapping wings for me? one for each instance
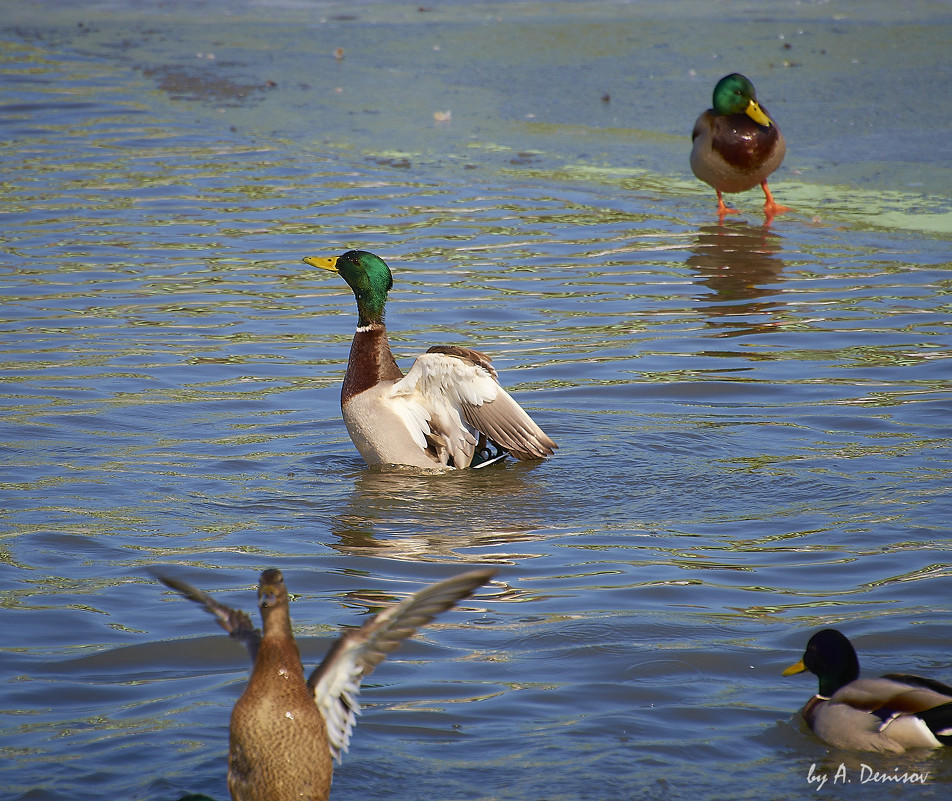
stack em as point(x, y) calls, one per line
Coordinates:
point(737, 145)
point(447, 411)
point(894, 713)
point(286, 732)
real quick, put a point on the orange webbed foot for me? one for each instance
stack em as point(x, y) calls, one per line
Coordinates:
point(771, 206)
point(722, 208)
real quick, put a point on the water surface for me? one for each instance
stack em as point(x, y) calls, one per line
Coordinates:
point(753, 420)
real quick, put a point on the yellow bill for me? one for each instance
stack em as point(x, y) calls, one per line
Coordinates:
point(755, 112)
point(324, 264)
point(799, 667)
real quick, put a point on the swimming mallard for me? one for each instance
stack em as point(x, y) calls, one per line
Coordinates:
point(448, 411)
point(894, 713)
point(736, 144)
point(285, 731)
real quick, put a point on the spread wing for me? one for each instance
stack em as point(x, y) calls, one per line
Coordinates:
point(336, 682)
point(451, 395)
point(234, 621)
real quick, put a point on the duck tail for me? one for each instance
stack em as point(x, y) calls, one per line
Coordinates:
point(939, 721)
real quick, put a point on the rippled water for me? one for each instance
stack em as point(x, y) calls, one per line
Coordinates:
point(754, 422)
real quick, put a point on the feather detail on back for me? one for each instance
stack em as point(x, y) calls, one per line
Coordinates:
point(877, 694)
point(468, 354)
point(921, 681)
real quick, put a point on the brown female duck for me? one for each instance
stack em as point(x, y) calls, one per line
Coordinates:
point(286, 731)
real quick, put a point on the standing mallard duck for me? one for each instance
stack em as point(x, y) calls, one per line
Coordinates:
point(286, 732)
point(894, 713)
point(448, 411)
point(736, 144)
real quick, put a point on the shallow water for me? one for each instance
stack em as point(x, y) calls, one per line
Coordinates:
point(753, 421)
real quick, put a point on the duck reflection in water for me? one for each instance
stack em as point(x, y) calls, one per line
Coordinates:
point(403, 513)
point(738, 263)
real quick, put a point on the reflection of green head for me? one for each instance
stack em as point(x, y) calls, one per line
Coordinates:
point(735, 94)
point(369, 277)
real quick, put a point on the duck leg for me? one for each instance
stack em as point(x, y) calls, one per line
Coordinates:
point(771, 206)
point(722, 208)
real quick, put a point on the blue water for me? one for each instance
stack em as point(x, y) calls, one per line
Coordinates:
point(753, 421)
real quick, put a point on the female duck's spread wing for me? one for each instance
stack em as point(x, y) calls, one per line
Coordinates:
point(336, 681)
point(234, 621)
point(451, 395)
point(336, 685)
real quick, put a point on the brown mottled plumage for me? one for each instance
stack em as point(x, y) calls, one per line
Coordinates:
point(891, 714)
point(285, 732)
point(448, 411)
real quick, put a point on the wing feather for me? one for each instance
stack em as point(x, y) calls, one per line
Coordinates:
point(460, 397)
point(887, 695)
point(505, 422)
point(336, 681)
point(234, 621)
point(921, 681)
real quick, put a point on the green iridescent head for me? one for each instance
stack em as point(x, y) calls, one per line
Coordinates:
point(369, 277)
point(735, 94)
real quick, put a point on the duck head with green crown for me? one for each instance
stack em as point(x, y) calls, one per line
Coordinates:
point(367, 275)
point(735, 94)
